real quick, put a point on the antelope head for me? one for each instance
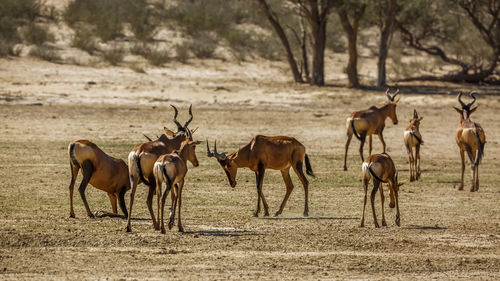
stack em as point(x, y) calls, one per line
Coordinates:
point(416, 119)
point(466, 110)
point(181, 130)
point(226, 163)
point(188, 148)
point(392, 105)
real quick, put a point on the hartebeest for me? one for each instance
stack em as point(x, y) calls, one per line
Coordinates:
point(380, 169)
point(470, 137)
point(171, 169)
point(143, 156)
point(277, 153)
point(368, 122)
point(102, 171)
point(413, 138)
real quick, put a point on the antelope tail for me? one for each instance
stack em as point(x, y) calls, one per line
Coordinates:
point(480, 148)
point(137, 160)
point(168, 181)
point(72, 155)
point(309, 170)
point(354, 130)
point(373, 173)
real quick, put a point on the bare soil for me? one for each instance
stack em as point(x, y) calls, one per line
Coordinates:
point(444, 233)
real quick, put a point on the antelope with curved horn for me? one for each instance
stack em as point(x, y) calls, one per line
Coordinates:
point(277, 153)
point(380, 169)
point(171, 169)
point(143, 156)
point(368, 122)
point(470, 138)
point(101, 171)
point(413, 138)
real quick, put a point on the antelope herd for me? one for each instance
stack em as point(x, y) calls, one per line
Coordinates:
point(164, 161)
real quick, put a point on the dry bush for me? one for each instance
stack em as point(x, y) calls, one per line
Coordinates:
point(36, 34)
point(83, 39)
point(114, 55)
point(182, 53)
point(45, 53)
point(203, 46)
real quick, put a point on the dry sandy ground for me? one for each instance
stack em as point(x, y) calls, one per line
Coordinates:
point(445, 233)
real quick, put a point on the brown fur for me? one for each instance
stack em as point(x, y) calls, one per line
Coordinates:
point(277, 153)
point(369, 122)
point(171, 169)
point(102, 171)
point(470, 138)
point(413, 139)
point(380, 169)
point(141, 162)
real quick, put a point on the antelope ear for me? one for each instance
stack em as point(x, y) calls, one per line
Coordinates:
point(458, 110)
point(420, 119)
point(472, 110)
point(168, 132)
point(196, 142)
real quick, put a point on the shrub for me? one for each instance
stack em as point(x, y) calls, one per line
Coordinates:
point(45, 53)
point(203, 46)
point(114, 55)
point(36, 34)
point(83, 39)
point(157, 57)
point(182, 53)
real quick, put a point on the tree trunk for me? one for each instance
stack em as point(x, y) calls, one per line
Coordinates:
point(284, 40)
point(352, 35)
point(384, 42)
point(318, 23)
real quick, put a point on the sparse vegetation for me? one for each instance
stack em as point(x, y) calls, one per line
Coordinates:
point(203, 46)
point(36, 34)
point(45, 53)
point(84, 39)
point(114, 55)
point(182, 53)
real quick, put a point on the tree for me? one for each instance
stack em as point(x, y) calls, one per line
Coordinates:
point(350, 14)
point(466, 36)
point(316, 13)
point(386, 30)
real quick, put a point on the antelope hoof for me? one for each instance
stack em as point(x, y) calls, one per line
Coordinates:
point(99, 214)
point(266, 214)
point(397, 221)
point(306, 214)
point(91, 216)
point(71, 215)
point(384, 223)
point(163, 230)
point(277, 214)
point(181, 229)
point(461, 187)
point(377, 225)
point(472, 189)
point(128, 229)
point(345, 168)
point(362, 224)
point(170, 223)
point(256, 214)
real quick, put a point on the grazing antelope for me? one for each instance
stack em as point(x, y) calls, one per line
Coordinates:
point(143, 156)
point(368, 122)
point(101, 171)
point(277, 153)
point(470, 137)
point(171, 169)
point(413, 138)
point(380, 169)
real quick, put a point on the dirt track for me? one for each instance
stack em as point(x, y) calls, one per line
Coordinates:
point(445, 233)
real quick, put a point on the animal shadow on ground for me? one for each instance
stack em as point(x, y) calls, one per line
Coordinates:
point(424, 227)
point(311, 218)
point(223, 233)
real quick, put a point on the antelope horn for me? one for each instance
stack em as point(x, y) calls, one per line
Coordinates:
point(460, 100)
point(395, 93)
point(179, 126)
point(190, 119)
point(415, 114)
point(209, 154)
point(215, 147)
point(388, 95)
point(473, 96)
